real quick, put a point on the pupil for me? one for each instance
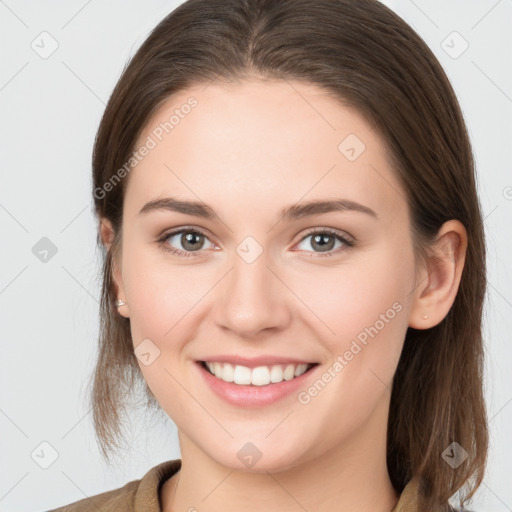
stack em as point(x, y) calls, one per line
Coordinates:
point(188, 240)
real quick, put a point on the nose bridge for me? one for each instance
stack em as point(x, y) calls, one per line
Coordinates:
point(252, 298)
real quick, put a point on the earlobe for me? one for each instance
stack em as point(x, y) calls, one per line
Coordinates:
point(120, 302)
point(436, 291)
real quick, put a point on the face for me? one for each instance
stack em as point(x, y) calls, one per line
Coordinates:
point(318, 285)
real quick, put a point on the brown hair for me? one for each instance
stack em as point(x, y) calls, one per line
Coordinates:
point(367, 57)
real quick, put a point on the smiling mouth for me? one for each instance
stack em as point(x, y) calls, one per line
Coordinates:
point(259, 376)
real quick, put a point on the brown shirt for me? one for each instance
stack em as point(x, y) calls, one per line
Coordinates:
point(143, 495)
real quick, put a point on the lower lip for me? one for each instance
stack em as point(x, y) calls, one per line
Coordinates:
point(254, 396)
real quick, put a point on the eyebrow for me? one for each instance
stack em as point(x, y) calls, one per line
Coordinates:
point(293, 212)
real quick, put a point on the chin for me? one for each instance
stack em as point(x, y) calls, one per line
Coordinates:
point(250, 459)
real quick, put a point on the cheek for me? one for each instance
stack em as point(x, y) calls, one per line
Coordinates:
point(160, 293)
point(162, 299)
point(344, 298)
point(350, 297)
point(363, 308)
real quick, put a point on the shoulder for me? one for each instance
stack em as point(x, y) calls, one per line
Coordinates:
point(111, 500)
point(136, 495)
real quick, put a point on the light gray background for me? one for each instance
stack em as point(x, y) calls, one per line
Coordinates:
point(50, 110)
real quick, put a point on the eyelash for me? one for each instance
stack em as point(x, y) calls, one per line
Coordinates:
point(188, 254)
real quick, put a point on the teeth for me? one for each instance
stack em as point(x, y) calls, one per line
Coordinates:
point(259, 376)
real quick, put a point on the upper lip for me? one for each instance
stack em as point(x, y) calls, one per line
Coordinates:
point(254, 362)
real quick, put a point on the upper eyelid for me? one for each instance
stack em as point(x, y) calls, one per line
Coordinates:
point(173, 232)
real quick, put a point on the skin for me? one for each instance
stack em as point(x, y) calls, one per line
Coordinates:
point(248, 150)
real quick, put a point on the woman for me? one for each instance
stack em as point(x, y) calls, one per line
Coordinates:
point(294, 263)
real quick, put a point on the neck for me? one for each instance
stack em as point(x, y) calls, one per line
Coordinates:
point(351, 477)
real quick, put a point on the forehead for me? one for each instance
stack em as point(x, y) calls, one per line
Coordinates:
point(257, 141)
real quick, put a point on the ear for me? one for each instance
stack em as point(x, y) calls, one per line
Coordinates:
point(440, 277)
point(107, 237)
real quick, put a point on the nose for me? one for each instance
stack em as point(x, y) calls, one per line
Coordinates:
point(252, 298)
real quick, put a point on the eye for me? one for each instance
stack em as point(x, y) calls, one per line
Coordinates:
point(324, 239)
point(190, 240)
